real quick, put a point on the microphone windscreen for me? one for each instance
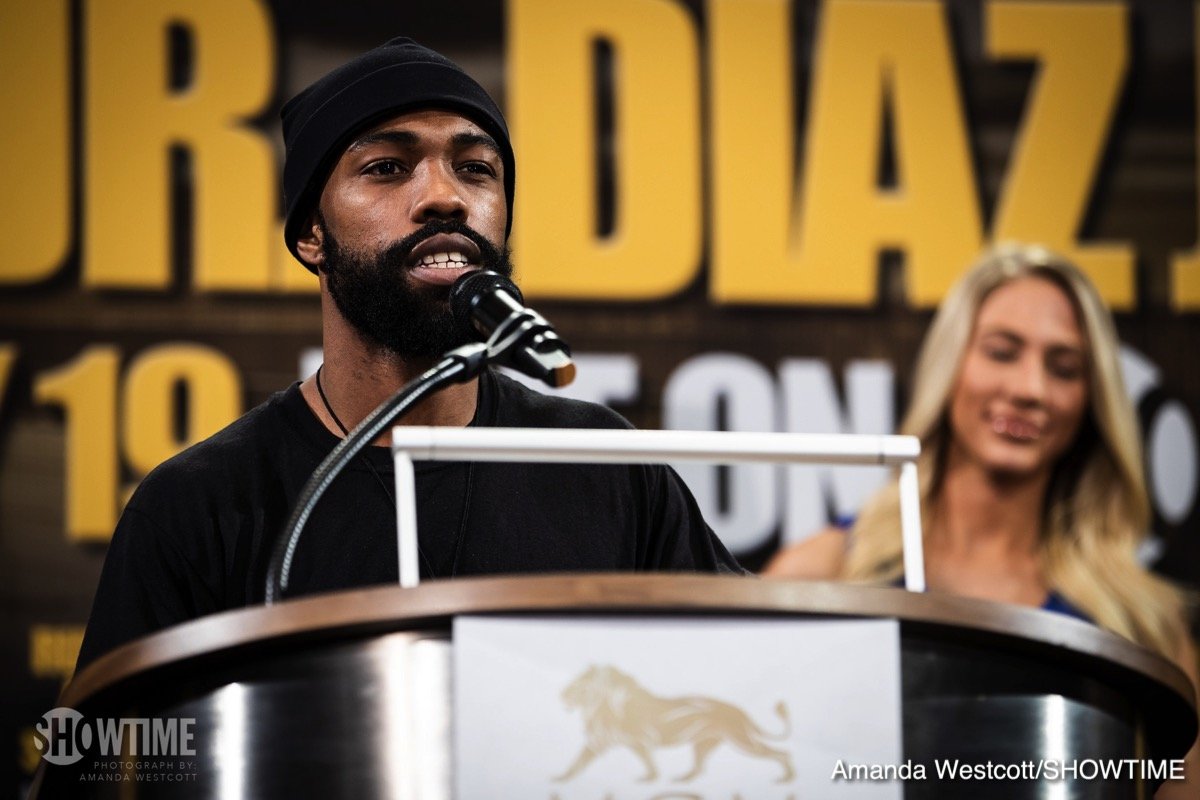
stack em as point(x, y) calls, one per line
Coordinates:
point(467, 291)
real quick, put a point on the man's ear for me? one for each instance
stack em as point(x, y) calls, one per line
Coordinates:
point(310, 245)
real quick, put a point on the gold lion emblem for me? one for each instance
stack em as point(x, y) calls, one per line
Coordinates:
point(619, 712)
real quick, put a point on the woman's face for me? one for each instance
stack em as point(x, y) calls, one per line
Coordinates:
point(1022, 391)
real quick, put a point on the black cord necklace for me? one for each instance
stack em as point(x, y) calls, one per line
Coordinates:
point(462, 527)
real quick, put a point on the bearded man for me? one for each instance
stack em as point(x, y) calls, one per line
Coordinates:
point(399, 178)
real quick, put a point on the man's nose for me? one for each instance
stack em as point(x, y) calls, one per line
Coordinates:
point(439, 195)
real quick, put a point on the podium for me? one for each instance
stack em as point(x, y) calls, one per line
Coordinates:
point(292, 700)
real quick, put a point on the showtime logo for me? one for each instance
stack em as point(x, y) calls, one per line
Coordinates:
point(64, 736)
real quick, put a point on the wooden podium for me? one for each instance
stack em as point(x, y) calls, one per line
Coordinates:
point(289, 701)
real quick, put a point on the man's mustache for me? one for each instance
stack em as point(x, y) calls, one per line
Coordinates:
point(397, 253)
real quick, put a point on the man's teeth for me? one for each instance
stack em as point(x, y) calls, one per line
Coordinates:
point(444, 261)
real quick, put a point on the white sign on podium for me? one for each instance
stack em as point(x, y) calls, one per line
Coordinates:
point(639, 708)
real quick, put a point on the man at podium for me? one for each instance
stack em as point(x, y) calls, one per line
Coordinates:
point(399, 178)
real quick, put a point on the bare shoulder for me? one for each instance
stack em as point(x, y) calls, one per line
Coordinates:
point(819, 557)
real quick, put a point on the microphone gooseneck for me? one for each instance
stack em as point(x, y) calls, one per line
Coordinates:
point(491, 307)
point(459, 365)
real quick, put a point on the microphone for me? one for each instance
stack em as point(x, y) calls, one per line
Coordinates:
point(489, 307)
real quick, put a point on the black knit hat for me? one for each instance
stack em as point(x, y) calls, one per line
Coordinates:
point(319, 123)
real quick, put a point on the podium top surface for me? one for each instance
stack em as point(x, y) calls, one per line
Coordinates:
point(372, 611)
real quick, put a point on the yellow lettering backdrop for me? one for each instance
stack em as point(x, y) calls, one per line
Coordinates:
point(137, 417)
point(654, 249)
point(133, 119)
point(85, 390)
point(1081, 52)
point(786, 224)
point(771, 245)
point(35, 131)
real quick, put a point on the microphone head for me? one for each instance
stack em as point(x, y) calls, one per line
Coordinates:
point(487, 304)
point(465, 295)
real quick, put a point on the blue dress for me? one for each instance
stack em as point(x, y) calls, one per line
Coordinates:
point(1056, 602)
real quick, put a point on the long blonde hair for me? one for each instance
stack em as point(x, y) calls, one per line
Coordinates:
point(1096, 509)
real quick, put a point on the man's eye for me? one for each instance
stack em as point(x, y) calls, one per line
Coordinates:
point(383, 168)
point(478, 168)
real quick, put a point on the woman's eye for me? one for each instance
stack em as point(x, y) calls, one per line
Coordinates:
point(1066, 369)
point(996, 353)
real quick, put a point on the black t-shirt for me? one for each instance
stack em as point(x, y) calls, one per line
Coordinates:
point(197, 535)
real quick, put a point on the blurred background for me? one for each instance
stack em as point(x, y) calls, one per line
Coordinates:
point(740, 213)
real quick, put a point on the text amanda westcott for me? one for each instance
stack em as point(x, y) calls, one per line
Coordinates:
point(1086, 769)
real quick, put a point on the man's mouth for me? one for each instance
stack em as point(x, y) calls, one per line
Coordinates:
point(441, 258)
point(444, 261)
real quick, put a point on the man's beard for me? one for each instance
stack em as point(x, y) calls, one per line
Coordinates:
point(375, 296)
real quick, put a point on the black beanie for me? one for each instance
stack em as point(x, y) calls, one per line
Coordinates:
point(319, 123)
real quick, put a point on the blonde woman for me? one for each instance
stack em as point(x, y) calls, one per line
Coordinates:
point(1032, 486)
